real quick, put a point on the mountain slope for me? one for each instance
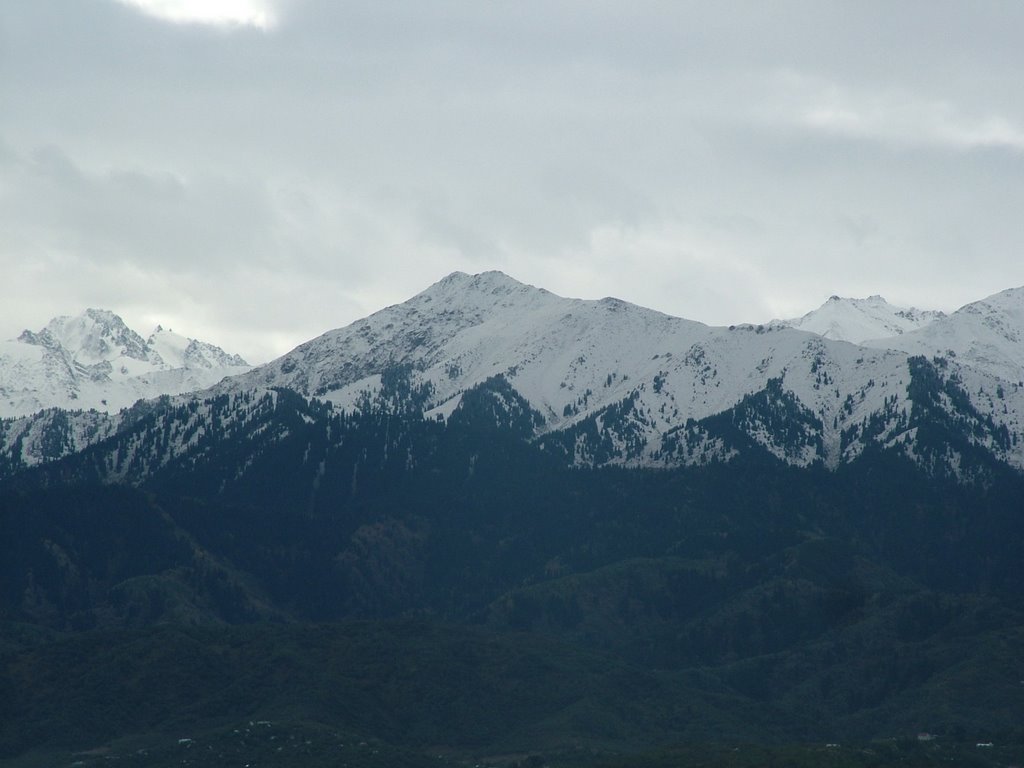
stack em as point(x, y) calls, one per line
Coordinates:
point(821, 601)
point(95, 361)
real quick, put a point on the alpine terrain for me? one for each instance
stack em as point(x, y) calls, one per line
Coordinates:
point(495, 525)
point(611, 383)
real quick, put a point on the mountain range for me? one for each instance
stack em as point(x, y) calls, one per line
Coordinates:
point(494, 525)
point(608, 382)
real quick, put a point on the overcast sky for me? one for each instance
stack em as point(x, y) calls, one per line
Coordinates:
point(256, 172)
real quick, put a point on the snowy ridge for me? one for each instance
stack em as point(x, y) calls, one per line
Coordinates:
point(607, 383)
point(95, 361)
point(986, 335)
point(617, 383)
point(856, 320)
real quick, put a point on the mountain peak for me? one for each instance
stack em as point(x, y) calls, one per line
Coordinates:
point(476, 293)
point(93, 336)
point(857, 320)
point(490, 281)
point(94, 360)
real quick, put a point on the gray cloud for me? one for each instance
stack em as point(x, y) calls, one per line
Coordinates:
point(726, 162)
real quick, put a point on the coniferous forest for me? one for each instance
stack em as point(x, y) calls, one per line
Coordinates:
point(377, 588)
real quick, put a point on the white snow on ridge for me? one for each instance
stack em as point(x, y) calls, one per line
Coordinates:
point(94, 361)
point(986, 335)
point(575, 360)
point(856, 320)
point(571, 358)
point(176, 351)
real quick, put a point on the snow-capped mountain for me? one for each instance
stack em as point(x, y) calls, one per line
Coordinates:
point(624, 384)
point(856, 320)
point(569, 358)
point(597, 383)
point(94, 361)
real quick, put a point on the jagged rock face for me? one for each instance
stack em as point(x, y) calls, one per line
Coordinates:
point(97, 335)
point(95, 361)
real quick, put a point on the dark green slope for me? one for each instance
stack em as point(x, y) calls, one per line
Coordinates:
point(537, 605)
point(410, 683)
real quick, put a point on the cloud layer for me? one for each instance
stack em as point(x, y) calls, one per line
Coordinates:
point(259, 183)
point(254, 13)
